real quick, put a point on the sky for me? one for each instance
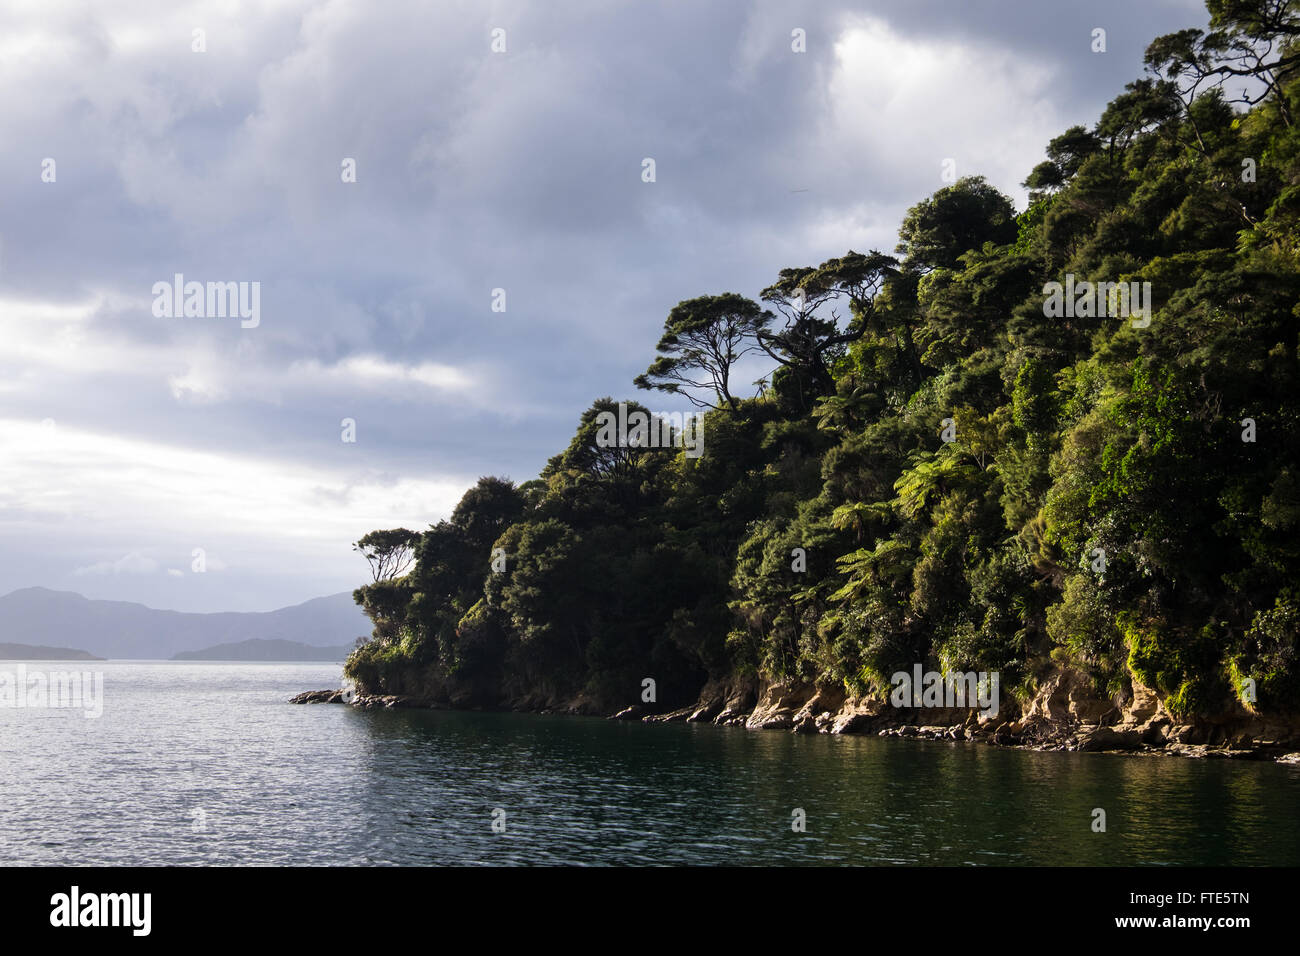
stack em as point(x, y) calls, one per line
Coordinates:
point(199, 462)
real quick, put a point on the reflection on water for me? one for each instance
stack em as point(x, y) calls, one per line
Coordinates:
point(207, 763)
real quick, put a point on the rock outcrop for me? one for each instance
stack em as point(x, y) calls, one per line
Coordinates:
point(1066, 712)
point(318, 697)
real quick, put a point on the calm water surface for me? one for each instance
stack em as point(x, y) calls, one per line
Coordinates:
point(208, 764)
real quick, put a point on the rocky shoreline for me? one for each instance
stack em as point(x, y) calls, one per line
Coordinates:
point(1065, 714)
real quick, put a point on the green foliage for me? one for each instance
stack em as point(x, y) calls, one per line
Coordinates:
point(1095, 503)
point(1272, 656)
point(958, 218)
point(1183, 667)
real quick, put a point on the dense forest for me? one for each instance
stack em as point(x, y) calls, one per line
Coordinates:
point(943, 466)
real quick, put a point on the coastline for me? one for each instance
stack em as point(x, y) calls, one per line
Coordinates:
point(1064, 714)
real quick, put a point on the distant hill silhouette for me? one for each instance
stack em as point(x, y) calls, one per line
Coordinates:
point(31, 652)
point(119, 629)
point(260, 650)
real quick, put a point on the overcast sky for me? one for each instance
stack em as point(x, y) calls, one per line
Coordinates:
point(128, 440)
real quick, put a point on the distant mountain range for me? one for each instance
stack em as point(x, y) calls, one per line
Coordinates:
point(119, 629)
point(31, 652)
point(256, 650)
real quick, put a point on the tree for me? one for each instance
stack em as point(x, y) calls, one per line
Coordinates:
point(1251, 39)
point(1066, 154)
point(808, 343)
point(487, 509)
point(389, 552)
point(597, 451)
point(955, 220)
point(1143, 106)
point(703, 339)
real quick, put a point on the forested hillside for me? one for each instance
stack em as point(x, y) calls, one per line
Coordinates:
point(944, 467)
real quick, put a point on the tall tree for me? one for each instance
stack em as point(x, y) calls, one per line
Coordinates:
point(1253, 40)
point(389, 553)
point(808, 343)
point(703, 340)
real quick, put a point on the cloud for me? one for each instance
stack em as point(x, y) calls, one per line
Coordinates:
point(371, 371)
point(133, 563)
point(873, 112)
point(109, 480)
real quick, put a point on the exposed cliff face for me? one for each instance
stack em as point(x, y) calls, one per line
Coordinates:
point(1065, 713)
